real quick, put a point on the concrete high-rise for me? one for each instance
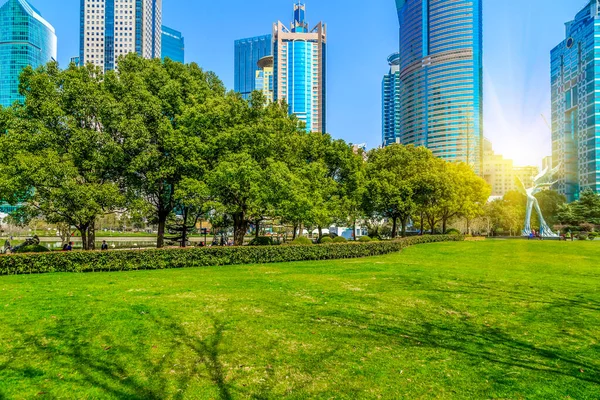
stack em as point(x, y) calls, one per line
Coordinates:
point(575, 77)
point(248, 52)
point(390, 99)
point(441, 88)
point(26, 39)
point(172, 45)
point(300, 61)
point(112, 28)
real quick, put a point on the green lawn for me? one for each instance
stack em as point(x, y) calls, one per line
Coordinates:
point(495, 319)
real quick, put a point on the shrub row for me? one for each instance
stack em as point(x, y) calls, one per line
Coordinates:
point(198, 257)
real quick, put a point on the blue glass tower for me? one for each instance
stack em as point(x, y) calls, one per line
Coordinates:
point(441, 80)
point(390, 94)
point(575, 77)
point(300, 61)
point(248, 52)
point(173, 45)
point(25, 39)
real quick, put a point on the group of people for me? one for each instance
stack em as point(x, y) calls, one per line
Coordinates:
point(535, 235)
point(69, 246)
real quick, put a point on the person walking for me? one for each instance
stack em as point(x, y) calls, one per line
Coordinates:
point(568, 236)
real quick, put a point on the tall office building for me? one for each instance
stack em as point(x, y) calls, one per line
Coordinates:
point(264, 78)
point(111, 28)
point(441, 88)
point(575, 77)
point(172, 45)
point(300, 60)
point(390, 92)
point(25, 39)
point(248, 52)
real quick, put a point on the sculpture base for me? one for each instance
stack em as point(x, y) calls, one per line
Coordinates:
point(546, 234)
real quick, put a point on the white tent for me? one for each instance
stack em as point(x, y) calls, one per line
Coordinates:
point(324, 231)
point(2, 216)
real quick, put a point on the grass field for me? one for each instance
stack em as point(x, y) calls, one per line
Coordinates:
point(495, 319)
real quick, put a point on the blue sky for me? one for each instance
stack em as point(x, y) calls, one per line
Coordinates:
point(518, 37)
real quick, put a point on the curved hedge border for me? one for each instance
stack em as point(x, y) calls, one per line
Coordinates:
point(199, 257)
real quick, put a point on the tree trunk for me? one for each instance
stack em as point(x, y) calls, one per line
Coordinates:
point(240, 227)
point(320, 232)
point(403, 221)
point(92, 236)
point(422, 222)
point(354, 227)
point(394, 227)
point(444, 223)
point(295, 227)
point(160, 239)
point(257, 226)
point(83, 229)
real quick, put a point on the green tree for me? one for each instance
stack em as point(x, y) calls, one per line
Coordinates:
point(256, 142)
point(394, 179)
point(160, 103)
point(63, 155)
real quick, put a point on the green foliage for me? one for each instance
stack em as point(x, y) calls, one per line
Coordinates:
point(584, 211)
point(453, 231)
point(301, 241)
point(32, 249)
point(339, 239)
point(365, 239)
point(199, 256)
point(325, 240)
point(262, 241)
point(592, 235)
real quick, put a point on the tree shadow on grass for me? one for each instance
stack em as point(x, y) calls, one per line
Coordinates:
point(477, 342)
point(115, 372)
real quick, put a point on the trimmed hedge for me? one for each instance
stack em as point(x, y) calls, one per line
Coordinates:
point(325, 240)
point(132, 260)
point(339, 239)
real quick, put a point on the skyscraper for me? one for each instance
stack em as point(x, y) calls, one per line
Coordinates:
point(111, 28)
point(575, 81)
point(172, 45)
point(390, 93)
point(300, 60)
point(248, 52)
point(264, 78)
point(25, 39)
point(441, 89)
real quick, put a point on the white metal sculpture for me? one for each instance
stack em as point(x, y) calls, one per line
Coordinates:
point(541, 182)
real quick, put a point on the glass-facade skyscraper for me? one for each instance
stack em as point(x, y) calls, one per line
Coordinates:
point(172, 45)
point(575, 77)
point(300, 61)
point(390, 94)
point(112, 28)
point(441, 80)
point(248, 52)
point(25, 39)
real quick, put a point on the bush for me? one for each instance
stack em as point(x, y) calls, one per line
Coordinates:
point(325, 240)
point(452, 232)
point(261, 241)
point(301, 241)
point(582, 236)
point(34, 248)
point(97, 261)
point(592, 235)
point(340, 239)
point(364, 239)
